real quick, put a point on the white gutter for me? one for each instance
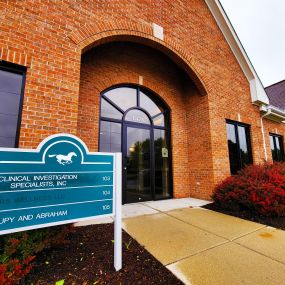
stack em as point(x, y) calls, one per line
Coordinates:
point(275, 113)
point(263, 133)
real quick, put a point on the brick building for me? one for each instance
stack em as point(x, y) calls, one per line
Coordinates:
point(165, 82)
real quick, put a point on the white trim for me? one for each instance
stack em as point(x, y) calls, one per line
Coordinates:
point(40, 226)
point(46, 140)
point(42, 162)
point(60, 172)
point(258, 94)
point(263, 136)
point(51, 189)
point(55, 205)
point(21, 162)
point(39, 147)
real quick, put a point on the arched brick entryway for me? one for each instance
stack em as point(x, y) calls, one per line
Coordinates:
point(127, 62)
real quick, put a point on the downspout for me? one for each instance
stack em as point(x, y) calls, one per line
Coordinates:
point(263, 134)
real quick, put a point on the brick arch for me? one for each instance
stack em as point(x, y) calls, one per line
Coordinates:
point(132, 80)
point(92, 35)
point(102, 69)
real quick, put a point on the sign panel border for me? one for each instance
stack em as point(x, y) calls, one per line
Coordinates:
point(38, 151)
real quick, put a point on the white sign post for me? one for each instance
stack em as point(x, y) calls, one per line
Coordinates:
point(118, 212)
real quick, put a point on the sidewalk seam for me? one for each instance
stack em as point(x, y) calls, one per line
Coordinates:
point(283, 263)
point(201, 251)
point(262, 226)
point(166, 213)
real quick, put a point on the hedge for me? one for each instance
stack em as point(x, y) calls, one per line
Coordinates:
point(259, 188)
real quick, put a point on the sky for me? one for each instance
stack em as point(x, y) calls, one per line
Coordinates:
point(260, 26)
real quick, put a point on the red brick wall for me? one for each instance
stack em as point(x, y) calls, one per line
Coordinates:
point(49, 37)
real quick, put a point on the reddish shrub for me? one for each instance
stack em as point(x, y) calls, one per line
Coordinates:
point(14, 269)
point(18, 250)
point(260, 188)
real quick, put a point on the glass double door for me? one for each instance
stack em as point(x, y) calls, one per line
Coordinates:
point(145, 164)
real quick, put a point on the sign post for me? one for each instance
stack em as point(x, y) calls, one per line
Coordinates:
point(60, 182)
point(118, 212)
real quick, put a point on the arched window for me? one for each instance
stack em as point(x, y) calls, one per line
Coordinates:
point(130, 105)
point(136, 122)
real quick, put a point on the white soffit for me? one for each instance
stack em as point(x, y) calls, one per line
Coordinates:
point(258, 94)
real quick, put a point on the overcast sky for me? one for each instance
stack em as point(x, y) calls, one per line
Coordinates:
point(260, 25)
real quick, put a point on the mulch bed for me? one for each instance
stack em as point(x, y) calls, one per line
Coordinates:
point(88, 259)
point(276, 222)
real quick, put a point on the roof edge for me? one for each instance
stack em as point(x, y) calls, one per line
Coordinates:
point(258, 94)
point(273, 113)
point(276, 83)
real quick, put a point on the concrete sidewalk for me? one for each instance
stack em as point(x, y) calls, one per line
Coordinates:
point(204, 247)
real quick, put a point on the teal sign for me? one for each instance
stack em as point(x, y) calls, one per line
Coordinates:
point(60, 182)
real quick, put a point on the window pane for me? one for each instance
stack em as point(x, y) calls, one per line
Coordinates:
point(149, 105)
point(277, 143)
point(277, 150)
point(272, 143)
point(108, 111)
point(281, 148)
point(110, 137)
point(233, 149)
point(161, 120)
point(273, 149)
point(7, 142)
point(123, 97)
point(244, 151)
point(8, 126)
point(9, 103)
point(138, 163)
point(137, 116)
point(10, 97)
point(162, 171)
point(10, 82)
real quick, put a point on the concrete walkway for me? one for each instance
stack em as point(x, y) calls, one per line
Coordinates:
point(204, 247)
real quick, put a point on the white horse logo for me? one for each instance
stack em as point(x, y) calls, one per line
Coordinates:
point(63, 159)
